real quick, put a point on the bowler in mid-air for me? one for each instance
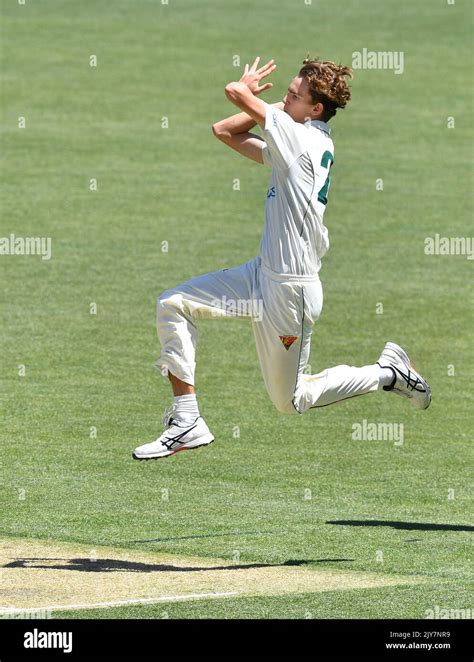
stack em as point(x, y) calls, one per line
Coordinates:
point(283, 281)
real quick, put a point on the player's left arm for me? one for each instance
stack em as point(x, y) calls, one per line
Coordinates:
point(243, 93)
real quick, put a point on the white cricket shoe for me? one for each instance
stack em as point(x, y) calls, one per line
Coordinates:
point(178, 436)
point(408, 382)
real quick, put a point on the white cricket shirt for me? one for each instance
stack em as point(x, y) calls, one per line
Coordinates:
point(300, 155)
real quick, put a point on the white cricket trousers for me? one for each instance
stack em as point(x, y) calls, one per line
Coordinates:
point(282, 309)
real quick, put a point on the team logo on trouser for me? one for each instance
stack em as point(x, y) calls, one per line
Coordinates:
point(288, 341)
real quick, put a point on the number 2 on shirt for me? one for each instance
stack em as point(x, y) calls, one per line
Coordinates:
point(326, 162)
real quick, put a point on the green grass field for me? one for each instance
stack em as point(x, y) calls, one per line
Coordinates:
point(287, 488)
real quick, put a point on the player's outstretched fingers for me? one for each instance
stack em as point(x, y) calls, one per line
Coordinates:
point(267, 66)
point(254, 65)
point(267, 72)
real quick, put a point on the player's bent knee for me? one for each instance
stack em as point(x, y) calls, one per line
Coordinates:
point(284, 404)
point(164, 302)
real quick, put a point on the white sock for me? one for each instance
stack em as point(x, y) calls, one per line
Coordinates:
point(186, 407)
point(386, 377)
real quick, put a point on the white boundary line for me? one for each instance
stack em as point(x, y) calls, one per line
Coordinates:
point(118, 603)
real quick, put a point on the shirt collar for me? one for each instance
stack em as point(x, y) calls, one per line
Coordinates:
point(317, 124)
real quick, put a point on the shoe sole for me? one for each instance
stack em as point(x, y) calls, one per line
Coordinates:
point(396, 349)
point(169, 453)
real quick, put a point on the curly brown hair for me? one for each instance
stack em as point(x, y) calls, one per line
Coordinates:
point(327, 84)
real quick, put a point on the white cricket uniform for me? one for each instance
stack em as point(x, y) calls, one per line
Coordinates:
point(279, 291)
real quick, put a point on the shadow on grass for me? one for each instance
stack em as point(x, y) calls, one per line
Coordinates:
point(116, 565)
point(407, 526)
point(209, 535)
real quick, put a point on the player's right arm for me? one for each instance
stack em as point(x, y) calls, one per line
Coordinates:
point(235, 132)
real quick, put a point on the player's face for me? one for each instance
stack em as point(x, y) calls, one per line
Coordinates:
point(298, 102)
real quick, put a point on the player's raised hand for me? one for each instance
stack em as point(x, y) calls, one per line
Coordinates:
point(252, 76)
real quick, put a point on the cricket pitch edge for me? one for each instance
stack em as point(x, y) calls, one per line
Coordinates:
point(48, 574)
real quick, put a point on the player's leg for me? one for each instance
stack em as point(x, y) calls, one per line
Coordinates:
point(392, 372)
point(284, 357)
point(292, 391)
point(283, 337)
point(179, 387)
point(224, 293)
point(334, 384)
point(210, 296)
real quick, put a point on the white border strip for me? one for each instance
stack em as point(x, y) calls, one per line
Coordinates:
point(118, 603)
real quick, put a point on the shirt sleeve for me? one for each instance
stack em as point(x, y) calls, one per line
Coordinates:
point(285, 138)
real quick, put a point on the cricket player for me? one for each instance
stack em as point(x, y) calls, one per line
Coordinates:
point(279, 291)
